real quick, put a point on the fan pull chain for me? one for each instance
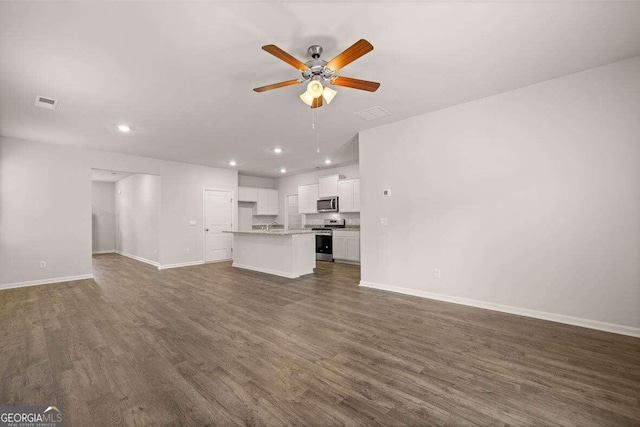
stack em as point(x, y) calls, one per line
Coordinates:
point(317, 131)
point(314, 126)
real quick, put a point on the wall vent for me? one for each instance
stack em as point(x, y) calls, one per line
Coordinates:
point(373, 113)
point(44, 102)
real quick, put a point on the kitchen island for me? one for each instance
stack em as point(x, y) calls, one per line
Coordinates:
point(286, 253)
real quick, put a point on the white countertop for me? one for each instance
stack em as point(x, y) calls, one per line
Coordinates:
point(277, 232)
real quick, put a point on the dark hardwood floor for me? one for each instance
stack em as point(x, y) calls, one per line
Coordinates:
point(214, 345)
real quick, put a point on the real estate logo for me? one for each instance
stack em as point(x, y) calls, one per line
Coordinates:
point(30, 416)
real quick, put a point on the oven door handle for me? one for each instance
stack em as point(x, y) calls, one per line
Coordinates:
point(333, 203)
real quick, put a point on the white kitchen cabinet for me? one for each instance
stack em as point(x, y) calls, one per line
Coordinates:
point(267, 203)
point(307, 199)
point(247, 194)
point(339, 247)
point(353, 249)
point(349, 195)
point(328, 186)
point(356, 195)
point(346, 245)
point(274, 203)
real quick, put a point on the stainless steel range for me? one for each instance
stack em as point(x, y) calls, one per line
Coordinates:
point(324, 238)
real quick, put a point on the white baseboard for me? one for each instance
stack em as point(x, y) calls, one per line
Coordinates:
point(138, 258)
point(560, 318)
point(217, 261)
point(269, 271)
point(346, 261)
point(110, 251)
point(45, 281)
point(180, 264)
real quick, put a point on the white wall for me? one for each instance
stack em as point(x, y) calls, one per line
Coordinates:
point(256, 181)
point(138, 209)
point(45, 207)
point(103, 217)
point(245, 215)
point(529, 199)
point(289, 185)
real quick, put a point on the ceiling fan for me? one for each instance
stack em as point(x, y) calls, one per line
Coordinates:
point(318, 71)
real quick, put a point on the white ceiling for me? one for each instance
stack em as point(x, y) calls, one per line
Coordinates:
point(181, 74)
point(107, 175)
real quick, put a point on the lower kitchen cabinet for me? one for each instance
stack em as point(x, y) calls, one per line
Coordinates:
point(346, 246)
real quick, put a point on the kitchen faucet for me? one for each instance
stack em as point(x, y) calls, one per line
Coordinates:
point(271, 224)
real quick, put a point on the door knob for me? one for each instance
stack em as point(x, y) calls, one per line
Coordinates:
point(207, 229)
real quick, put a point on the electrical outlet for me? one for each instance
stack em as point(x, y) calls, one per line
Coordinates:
point(43, 264)
point(437, 274)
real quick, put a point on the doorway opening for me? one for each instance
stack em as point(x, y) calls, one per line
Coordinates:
point(125, 215)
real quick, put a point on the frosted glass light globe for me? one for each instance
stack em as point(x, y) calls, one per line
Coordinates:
point(315, 88)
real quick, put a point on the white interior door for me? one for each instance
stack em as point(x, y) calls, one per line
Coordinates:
point(218, 217)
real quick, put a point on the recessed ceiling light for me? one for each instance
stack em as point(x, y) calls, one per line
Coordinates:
point(124, 128)
point(277, 150)
point(232, 163)
point(327, 162)
point(283, 170)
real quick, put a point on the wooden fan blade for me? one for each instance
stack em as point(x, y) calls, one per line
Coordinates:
point(277, 85)
point(358, 49)
point(317, 102)
point(355, 83)
point(281, 54)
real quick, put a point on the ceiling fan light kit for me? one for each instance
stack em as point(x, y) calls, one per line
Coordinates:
point(328, 94)
point(318, 71)
point(307, 98)
point(315, 88)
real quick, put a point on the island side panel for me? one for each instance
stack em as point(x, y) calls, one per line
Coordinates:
point(304, 253)
point(267, 253)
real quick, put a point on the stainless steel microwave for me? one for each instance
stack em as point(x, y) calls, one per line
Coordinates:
point(328, 204)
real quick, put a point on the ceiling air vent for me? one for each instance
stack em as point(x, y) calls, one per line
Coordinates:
point(373, 113)
point(44, 102)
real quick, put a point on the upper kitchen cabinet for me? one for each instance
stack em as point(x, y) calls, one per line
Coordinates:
point(328, 186)
point(349, 195)
point(267, 202)
point(308, 199)
point(247, 194)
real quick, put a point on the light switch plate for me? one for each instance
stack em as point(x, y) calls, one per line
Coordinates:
point(192, 222)
point(386, 192)
point(384, 221)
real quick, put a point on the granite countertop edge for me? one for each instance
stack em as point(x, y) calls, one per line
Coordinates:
point(277, 232)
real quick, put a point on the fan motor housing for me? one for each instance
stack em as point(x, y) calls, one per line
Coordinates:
point(315, 51)
point(317, 67)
